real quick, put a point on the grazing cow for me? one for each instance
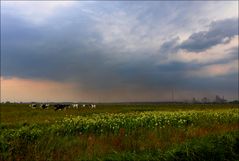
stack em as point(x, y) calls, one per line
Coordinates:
point(83, 105)
point(93, 106)
point(75, 105)
point(33, 106)
point(44, 106)
point(60, 106)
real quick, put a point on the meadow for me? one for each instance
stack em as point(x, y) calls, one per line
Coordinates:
point(165, 131)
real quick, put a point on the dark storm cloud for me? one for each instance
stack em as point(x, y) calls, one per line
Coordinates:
point(72, 51)
point(42, 51)
point(66, 57)
point(219, 32)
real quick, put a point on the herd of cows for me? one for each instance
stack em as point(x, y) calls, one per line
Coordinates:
point(61, 106)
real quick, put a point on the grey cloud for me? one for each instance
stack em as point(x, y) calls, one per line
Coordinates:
point(170, 46)
point(233, 52)
point(219, 32)
point(66, 53)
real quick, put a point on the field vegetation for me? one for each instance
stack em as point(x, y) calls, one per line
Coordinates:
point(121, 132)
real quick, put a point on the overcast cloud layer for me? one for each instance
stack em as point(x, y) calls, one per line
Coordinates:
point(124, 51)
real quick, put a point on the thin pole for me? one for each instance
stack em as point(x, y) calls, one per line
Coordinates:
point(172, 95)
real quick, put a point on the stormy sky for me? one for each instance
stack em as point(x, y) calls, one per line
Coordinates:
point(118, 51)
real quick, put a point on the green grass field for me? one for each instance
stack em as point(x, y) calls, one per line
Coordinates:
point(121, 132)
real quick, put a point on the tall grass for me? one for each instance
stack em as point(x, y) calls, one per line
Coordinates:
point(117, 132)
point(166, 144)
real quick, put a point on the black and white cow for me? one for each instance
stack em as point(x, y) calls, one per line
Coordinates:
point(75, 105)
point(44, 106)
point(60, 106)
point(93, 106)
point(33, 106)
